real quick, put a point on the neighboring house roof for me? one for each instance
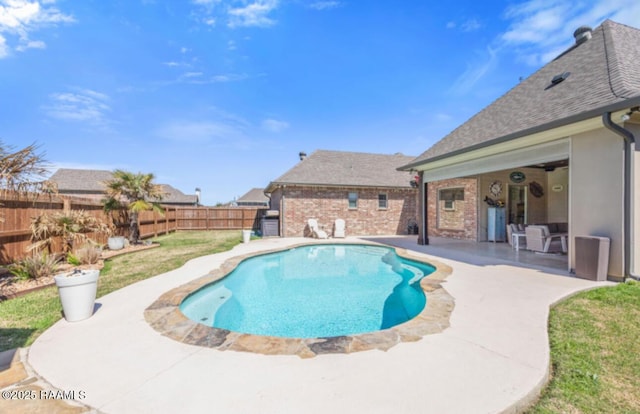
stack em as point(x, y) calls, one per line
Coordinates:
point(71, 180)
point(352, 169)
point(175, 196)
point(255, 195)
point(76, 180)
point(603, 77)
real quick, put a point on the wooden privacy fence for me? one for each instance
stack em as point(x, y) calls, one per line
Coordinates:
point(219, 218)
point(17, 212)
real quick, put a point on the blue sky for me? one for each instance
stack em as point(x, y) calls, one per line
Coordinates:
point(223, 94)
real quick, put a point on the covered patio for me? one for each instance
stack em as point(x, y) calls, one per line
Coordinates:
point(481, 253)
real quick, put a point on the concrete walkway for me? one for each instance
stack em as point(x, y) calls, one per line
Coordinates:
point(493, 358)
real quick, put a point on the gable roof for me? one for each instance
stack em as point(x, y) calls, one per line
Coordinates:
point(175, 196)
point(603, 77)
point(71, 180)
point(352, 169)
point(255, 195)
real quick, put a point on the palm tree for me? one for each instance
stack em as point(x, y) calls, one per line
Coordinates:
point(135, 193)
point(23, 171)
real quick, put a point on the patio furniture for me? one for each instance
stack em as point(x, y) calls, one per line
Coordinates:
point(539, 239)
point(515, 235)
point(338, 228)
point(315, 230)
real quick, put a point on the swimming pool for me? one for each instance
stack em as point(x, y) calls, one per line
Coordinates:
point(326, 290)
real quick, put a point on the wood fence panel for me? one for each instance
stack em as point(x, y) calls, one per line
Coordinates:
point(15, 235)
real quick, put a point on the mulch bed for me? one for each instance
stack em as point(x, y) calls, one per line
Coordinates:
point(11, 287)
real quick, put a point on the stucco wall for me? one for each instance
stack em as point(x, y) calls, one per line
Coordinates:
point(635, 197)
point(558, 195)
point(326, 204)
point(596, 193)
point(536, 206)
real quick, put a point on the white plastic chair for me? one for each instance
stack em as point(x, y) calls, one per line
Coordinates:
point(315, 231)
point(338, 228)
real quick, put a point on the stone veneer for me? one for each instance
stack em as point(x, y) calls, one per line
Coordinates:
point(164, 316)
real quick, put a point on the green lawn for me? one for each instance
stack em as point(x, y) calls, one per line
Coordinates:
point(595, 353)
point(24, 318)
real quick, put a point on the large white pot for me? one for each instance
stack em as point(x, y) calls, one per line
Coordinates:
point(246, 236)
point(77, 293)
point(115, 243)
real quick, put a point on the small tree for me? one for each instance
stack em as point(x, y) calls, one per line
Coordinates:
point(71, 226)
point(135, 193)
point(23, 171)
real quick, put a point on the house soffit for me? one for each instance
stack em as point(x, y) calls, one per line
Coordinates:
point(514, 144)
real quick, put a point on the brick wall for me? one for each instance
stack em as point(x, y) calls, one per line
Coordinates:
point(461, 223)
point(326, 204)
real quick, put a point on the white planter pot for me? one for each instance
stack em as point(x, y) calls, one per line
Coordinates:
point(77, 293)
point(115, 243)
point(246, 236)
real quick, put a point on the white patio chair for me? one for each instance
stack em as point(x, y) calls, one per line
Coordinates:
point(540, 240)
point(338, 228)
point(315, 230)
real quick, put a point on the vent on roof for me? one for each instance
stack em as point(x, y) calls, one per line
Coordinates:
point(557, 79)
point(582, 34)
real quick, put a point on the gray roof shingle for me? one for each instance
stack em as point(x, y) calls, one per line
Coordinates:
point(352, 169)
point(255, 195)
point(603, 76)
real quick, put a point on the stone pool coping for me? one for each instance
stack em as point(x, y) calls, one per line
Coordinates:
point(164, 316)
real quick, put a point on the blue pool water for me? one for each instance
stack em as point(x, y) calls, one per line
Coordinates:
point(313, 291)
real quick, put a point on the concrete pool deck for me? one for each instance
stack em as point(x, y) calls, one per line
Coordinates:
point(493, 358)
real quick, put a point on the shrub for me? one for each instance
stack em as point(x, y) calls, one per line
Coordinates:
point(35, 266)
point(88, 254)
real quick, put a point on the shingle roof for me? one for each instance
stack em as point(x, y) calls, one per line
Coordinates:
point(175, 196)
point(70, 179)
point(91, 181)
point(337, 168)
point(255, 195)
point(604, 76)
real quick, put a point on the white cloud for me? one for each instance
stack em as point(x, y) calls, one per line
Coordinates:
point(3, 47)
point(253, 15)
point(20, 18)
point(471, 25)
point(539, 30)
point(198, 131)
point(84, 105)
point(325, 5)
point(475, 72)
point(32, 44)
point(273, 125)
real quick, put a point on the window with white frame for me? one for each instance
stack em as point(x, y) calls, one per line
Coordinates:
point(353, 200)
point(451, 208)
point(382, 201)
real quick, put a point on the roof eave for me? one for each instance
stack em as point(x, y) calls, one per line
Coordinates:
point(618, 106)
point(273, 185)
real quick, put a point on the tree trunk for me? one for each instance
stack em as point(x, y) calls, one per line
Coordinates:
point(134, 230)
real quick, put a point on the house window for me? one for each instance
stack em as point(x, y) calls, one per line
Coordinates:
point(451, 208)
point(382, 201)
point(353, 200)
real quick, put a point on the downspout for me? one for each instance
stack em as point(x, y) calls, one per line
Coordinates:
point(628, 140)
point(282, 213)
